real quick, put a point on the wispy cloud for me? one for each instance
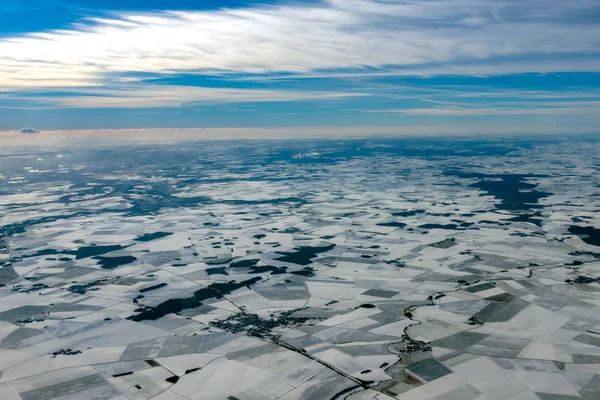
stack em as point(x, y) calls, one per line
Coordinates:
point(149, 96)
point(474, 112)
point(438, 35)
point(485, 111)
point(464, 67)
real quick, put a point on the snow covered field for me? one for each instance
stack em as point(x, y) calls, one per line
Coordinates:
point(409, 269)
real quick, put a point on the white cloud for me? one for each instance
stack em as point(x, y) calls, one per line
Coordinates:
point(334, 34)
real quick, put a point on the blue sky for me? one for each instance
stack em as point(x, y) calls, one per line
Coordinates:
point(526, 65)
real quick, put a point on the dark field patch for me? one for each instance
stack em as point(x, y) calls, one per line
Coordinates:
point(148, 289)
point(69, 388)
point(588, 234)
point(244, 263)
point(7, 274)
point(459, 341)
point(114, 262)
point(146, 237)
point(307, 271)
point(268, 268)
point(394, 224)
point(486, 312)
point(449, 227)
point(216, 271)
point(380, 293)
point(303, 255)
point(429, 369)
point(513, 190)
point(480, 288)
point(23, 313)
point(444, 244)
point(507, 312)
point(410, 213)
point(214, 291)
point(91, 251)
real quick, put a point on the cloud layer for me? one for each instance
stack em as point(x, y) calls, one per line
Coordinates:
point(416, 65)
point(328, 35)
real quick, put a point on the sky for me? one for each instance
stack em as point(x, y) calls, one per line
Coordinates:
point(523, 66)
